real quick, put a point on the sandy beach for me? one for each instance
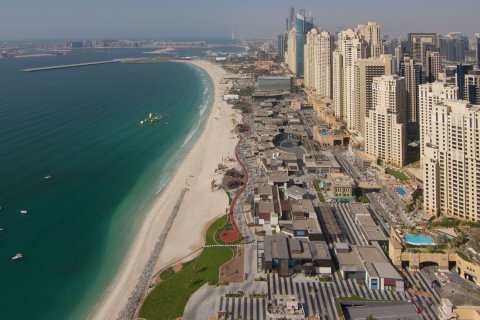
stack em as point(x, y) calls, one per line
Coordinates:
point(200, 204)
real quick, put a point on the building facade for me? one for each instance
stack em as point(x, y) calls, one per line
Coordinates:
point(419, 44)
point(275, 83)
point(302, 27)
point(351, 48)
point(365, 71)
point(472, 88)
point(385, 136)
point(430, 94)
point(318, 62)
point(462, 71)
point(412, 72)
point(450, 167)
point(337, 83)
point(372, 34)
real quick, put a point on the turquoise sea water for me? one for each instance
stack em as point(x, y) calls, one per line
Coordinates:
point(80, 126)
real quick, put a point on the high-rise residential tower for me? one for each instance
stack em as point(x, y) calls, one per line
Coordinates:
point(281, 46)
point(451, 178)
point(372, 34)
point(434, 66)
point(462, 71)
point(472, 88)
point(477, 36)
point(386, 133)
point(365, 71)
point(337, 83)
point(412, 72)
point(351, 48)
point(291, 52)
point(419, 44)
point(318, 62)
point(430, 94)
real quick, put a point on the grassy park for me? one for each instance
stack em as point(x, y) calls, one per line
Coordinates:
point(168, 299)
point(397, 174)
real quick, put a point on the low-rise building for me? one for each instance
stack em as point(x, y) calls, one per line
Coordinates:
point(289, 255)
point(369, 229)
point(340, 184)
point(320, 163)
point(275, 83)
point(369, 264)
point(296, 193)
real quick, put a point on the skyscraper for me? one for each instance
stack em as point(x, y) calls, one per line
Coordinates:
point(477, 35)
point(337, 83)
point(434, 65)
point(291, 52)
point(386, 132)
point(318, 62)
point(412, 72)
point(372, 34)
point(365, 71)
point(450, 168)
point(453, 46)
point(351, 48)
point(472, 88)
point(291, 18)
point(430, 94)
point(419, 44)
point(462, 70)
point(302, 26)
point(281, 46)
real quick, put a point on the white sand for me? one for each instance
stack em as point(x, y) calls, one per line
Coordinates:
point(199, 206)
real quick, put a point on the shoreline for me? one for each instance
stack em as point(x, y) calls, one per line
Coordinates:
point(199, 206)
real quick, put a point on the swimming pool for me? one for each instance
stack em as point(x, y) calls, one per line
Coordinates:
point(418, 239)
point(400, 191)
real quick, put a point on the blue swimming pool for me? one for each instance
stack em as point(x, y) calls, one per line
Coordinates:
point(401, 191)
point(418, 239)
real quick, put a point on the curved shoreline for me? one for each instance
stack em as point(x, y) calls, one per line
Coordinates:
point(200, 205)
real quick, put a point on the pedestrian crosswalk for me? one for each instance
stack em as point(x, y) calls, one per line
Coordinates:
point(428, 305)
point(244, 308)
point(318, 298)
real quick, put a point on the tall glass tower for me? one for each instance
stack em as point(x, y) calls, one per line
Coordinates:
point(302, 27)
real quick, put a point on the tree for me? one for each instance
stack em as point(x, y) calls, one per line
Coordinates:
point(461, 239)
point(371, 317)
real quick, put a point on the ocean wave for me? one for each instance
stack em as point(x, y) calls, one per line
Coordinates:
point(192, 133)
point(203, 107)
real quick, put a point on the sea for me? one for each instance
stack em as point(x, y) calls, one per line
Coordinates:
point(80, 127)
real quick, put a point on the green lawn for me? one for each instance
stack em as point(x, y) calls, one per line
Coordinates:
point(397, 174)
point(168, 299)
point(241, 106)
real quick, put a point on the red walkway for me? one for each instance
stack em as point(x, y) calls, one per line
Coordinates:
point(234, 235)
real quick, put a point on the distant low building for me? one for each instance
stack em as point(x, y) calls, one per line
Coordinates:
point(227, 97)
point(275, 83)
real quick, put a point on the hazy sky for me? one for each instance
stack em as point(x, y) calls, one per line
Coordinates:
point(82, 19)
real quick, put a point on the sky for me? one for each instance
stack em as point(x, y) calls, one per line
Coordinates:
point(208, 19)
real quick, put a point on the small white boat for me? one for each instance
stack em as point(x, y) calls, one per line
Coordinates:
point(23, 211)
point(2, 229)
point(17, 256)
point(47, 177)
